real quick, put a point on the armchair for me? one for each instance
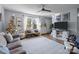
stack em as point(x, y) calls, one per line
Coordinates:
point(13, 47)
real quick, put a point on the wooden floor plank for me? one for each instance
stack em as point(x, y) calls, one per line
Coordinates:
point(57, 40)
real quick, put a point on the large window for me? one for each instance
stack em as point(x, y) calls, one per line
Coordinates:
point(34, 24)
point(27, 23)
point(31, 23)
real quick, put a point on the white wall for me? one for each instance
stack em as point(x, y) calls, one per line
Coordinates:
point(42, 20)
point(72, 23)
point(8, 14)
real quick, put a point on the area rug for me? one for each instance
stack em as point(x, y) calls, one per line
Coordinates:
point(42, 45)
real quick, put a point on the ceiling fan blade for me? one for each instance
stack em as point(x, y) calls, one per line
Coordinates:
point(48, 10)
point(43, 9)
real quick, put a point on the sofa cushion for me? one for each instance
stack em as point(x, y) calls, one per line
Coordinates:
point(14, 45)
point(3, 41)
point(4, 50)
point(18, 50)
point(9, 37)
point(2, 33)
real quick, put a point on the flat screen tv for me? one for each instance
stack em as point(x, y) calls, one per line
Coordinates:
point(61, 25)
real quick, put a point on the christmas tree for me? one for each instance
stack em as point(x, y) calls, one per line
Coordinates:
point(11, 25)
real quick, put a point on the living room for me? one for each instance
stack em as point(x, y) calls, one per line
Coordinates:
point(39, 28)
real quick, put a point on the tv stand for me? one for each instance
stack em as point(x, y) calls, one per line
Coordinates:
point(59, 34)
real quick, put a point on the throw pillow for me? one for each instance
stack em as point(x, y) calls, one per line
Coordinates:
point(9, 37)
point(4, 50)
point(2, 33)
point(3, 41)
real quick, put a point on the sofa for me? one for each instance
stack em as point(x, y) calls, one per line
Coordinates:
point(31, 33)
point(10, 45)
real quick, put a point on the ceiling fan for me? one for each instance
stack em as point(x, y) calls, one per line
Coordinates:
point(44, 9)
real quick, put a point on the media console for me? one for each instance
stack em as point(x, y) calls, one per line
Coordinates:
point(59, 34)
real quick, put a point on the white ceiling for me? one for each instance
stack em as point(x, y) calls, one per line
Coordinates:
point(34, 8)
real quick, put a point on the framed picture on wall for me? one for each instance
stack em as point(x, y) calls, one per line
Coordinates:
point(58, 17)
point(66, 16)
point(0, 16)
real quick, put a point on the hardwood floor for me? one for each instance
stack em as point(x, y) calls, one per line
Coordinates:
point(57, 40)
